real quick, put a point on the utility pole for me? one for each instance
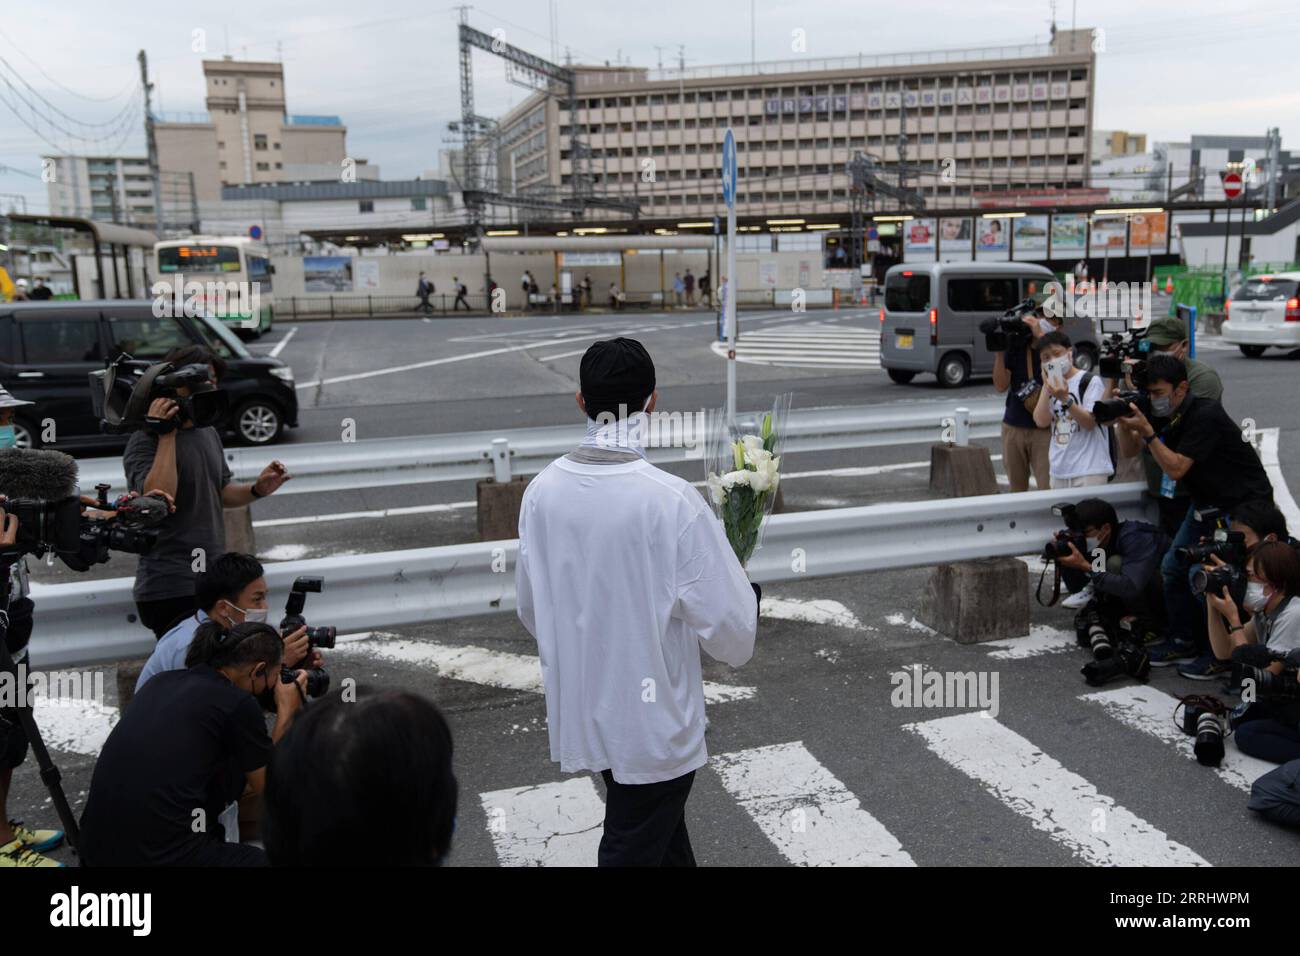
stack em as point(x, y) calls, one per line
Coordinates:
point(151, 143)
point(902, 135)
point(1274, 146)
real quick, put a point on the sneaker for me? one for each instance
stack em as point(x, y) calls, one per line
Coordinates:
point(1205, 667)
point(1169, 652)
point(38, 840)
point(16, 855)
point(1078, 599)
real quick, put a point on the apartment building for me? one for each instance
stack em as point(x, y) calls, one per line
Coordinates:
point(106, 188)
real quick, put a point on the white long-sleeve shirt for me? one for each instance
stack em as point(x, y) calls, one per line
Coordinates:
point(623, 575)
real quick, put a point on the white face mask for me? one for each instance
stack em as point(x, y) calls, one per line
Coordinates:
point(254, 615)
point(1093, 544)
point(1046, 325)
point(1255, 599)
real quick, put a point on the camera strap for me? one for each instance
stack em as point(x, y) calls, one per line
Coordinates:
point(1056, 586)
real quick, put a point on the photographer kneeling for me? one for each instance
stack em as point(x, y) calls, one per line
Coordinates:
point(1193, 441)
point(1130, 586)
point(191, 742)
point(1271, 730)
point(231, 591)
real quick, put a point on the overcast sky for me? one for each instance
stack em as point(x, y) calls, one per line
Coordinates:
point(390, 70)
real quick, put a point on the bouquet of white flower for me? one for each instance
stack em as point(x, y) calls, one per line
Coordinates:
point(744, 474)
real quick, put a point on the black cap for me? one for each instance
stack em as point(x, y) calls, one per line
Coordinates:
point(617, 371)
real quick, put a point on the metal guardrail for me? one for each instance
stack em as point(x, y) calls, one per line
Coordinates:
point(94, 621)
point(463, 456)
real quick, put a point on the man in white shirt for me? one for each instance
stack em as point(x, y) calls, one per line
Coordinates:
point(623, 575)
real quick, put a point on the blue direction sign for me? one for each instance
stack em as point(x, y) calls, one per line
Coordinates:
point(729, 169)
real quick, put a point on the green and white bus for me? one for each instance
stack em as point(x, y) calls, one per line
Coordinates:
point(230, 276)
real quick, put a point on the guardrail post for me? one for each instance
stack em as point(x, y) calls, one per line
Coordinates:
point(501, 460)
point(962, 427)
point(331, 306)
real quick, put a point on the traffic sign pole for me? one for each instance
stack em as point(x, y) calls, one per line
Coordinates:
point(729, 304)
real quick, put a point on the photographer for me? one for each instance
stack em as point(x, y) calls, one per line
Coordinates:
point(1193, 441)
point(188, 463)
point(230, 591)
point(1131, 583)
point(386, 756)
point(1079, 450)
point(1168, 336)
point(1273, 576)
point(191, 742)
point(1024, 443)
point(20, 847)
point(1258, 521)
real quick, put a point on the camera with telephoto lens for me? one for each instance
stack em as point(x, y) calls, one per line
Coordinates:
point(1205, 718)
point(1120, 343)
point(1250, 662)
point(1229, 547)
point(1128, 657)
point(1090, 631)
point(318, 679)
point(122, 393)
point(1058, 545)
point(1106, 410)
point(1009, 329)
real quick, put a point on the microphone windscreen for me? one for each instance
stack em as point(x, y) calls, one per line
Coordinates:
point(27, 473)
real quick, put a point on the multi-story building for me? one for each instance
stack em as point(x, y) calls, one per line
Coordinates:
point(107, 188)
point(1107, 143)
point(976, 123)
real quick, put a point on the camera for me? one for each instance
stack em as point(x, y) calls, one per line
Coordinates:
point(1090, 631)
point(122, 393)
point(1119, 342)
point(1250, 663)
point(1108, 409)
point(1058, 546)
point(1008, 330)
point(1204, 719)
point(1128, 658)
point(1230, 548)
point(318, 679)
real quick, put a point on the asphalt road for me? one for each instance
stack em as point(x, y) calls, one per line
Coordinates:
point(814, 763)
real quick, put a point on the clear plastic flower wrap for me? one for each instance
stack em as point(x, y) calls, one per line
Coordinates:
point(743, 472)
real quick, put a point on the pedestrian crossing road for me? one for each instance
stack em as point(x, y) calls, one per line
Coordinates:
point(817, 756)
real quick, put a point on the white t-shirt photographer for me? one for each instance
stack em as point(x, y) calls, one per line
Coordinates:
point(1078, 455)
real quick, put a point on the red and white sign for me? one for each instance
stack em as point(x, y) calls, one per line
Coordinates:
point(1232, 185)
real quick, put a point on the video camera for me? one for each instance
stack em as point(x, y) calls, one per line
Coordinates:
point(1009, 330)
point(41, 491)
point(318, 679)
point(1118, 343)
point(122, 393)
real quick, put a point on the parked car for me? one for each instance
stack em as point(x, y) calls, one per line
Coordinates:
point(49, 349)
point(930, 320)
point(1264, 311)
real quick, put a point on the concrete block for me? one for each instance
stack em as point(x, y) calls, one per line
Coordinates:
point(128, 672)
point(961, 471)
point(498, 507)
point(975, 601)
point(239, 530)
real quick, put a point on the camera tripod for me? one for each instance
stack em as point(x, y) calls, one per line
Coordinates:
point(50, 775)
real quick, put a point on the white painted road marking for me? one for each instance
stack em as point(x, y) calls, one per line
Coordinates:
point(816, 611)
point(1055, 800)
point(807, 346)
point(554, 824)
point(279, 346)
point(809, 816)
point(1040, 640)
point(481, 665)
point(1152, 712)
point(1268, 442)
point(74, 725)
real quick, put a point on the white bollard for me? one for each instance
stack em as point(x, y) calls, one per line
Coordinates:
point(962, 435)
point(501, 460)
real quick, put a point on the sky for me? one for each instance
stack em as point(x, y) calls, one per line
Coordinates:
point(390, 70)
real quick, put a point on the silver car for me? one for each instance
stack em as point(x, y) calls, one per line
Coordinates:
point(1264, 312)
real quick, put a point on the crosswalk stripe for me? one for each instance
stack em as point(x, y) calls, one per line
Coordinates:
point(74, 725)
point(481, 665)
point(811, 346)
point(1040, 640)
point(1055, 800)
point(1152, 712)
point(553, 824)
point(811, 818)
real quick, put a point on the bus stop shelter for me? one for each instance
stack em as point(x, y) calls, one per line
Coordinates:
point(104, 237)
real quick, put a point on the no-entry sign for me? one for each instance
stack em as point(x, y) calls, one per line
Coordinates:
point(1232, 185)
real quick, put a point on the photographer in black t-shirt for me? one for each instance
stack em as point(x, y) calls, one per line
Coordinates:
point(192, 742)
point(1016, 369)
point(1193, 441)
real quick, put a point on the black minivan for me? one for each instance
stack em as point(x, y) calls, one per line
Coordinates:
point(48, 350)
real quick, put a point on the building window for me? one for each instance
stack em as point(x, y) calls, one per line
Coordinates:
point(275, 145)
point(365, 205)
point(263, 167)
point(259, 141)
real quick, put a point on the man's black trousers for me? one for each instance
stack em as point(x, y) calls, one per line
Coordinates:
point(645, 824)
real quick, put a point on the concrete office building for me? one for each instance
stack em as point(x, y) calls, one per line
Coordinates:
point(978, 123)
point(106, 188)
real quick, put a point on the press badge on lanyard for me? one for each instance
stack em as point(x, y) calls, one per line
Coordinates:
point(1167, 486)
